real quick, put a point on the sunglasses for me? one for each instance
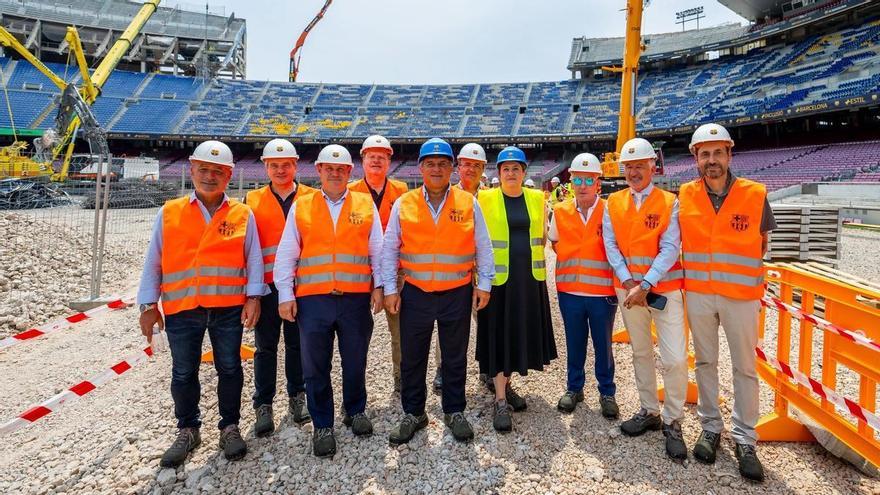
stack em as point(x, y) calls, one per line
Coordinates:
point(583, 181)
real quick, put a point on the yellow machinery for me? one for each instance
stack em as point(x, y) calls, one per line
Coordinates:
point(63, 139)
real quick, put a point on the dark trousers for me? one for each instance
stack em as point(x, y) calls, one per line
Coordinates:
point(451, 309)
point(267, 334)
point(186, 331)
point(583, 316)
point(320, 318)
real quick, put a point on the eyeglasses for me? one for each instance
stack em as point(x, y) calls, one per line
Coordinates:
point(581, 181)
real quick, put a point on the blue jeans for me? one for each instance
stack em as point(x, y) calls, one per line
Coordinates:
point(583, 316)
point(186, 331)
point(267, 335)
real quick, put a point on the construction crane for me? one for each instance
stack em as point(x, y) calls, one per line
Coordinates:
point(75, 107)
point(296, 53)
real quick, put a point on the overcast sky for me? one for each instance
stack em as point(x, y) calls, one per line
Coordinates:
point(439, 42)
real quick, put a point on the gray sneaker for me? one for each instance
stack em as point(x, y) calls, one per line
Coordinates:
point(234, 447)
point(706, 448)
point(265, 424)
point(438, 380)
point(514, 399)
point(408, 427)
point(609, 407)
point(675, 446)
point(359, 423)
point(502, 421)
point(324, 442)
point(187, 440)
point(459, 425)
point(298, 410)
point(640, 423)
point(569, 400)
point(749, 465)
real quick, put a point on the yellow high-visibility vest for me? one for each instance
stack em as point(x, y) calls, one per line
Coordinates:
point(492, 205)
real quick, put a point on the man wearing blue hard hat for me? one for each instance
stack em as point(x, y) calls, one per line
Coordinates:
point(435, 233)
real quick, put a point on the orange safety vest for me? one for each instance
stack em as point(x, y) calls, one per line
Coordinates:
point(638, 234)
point(270, 222)
point(334, 260)
point(393, 190)
point(581, 264)
point(203, 264)
point(722, 252)
point(437, 257)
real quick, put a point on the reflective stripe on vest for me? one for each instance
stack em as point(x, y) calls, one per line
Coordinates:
point(203, 264)
point(334, 259)
point(270, 222)
point(722, 252)
point(437, 256)
point(393, 190)
point(492, 206)
point(581, 263)
point(638, 233)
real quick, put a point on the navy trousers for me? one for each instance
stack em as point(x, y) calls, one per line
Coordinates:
point(451, 309)
point(320, 318)
point(267, 335)
point(584, 317)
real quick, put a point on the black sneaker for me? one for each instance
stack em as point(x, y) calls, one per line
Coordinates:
point(609, 407)
point(408, 427)
point(187, 440)
point(502, 421)
point(324, 442)
point(360, 424)
point(749, 465)
point(232, 444)
point(264, 424)
point(438, 380)
point(675, 447)
point(514, 399)
point(640, 423)
point(706, 447)
point(569, 401)
point(459, 425)
point(298, 409)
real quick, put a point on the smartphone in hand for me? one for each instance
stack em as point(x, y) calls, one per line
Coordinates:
point(656, 301)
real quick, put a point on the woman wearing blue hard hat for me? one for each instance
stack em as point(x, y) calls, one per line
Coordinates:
point(514, 331)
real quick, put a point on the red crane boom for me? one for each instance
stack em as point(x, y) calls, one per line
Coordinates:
point(296, 53)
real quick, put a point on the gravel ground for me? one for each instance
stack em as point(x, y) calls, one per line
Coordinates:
point(111, 440)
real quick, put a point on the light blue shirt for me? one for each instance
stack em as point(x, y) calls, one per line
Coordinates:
point(485, 259)
point(151, 277)
point(670, 244)
point(290, 248)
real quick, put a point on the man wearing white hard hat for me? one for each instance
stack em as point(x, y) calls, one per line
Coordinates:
point(725, 224)
point(496, 182)
point(471, 163)
point(204, 265)
point(558, 192)
point(530, 183)
point(330, 247)
point(585, 286)
point(270, 205)
point(376, 155)
point(643, 243)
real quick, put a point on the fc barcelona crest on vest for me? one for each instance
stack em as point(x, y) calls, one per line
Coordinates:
point(652, 220)
point(355, 218)
point(226, 229)
point(456, 215)
point(739, 222)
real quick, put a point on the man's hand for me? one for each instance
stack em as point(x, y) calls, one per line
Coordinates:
point(629, 284)
point(392, 303)
point(287, 310)
point(147, 320)
point(250, 313)
point(377, 299)
point(481, 299)
point(636, 297)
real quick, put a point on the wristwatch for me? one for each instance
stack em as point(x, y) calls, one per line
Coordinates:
point(146, 307)
point(645, 286)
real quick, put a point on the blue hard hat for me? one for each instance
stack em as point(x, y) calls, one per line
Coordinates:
point(511, 154)
point(435, 147)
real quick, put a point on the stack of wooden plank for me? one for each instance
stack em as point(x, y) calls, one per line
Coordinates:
point(805, 233)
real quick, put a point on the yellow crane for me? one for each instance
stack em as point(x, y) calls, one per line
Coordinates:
point(62, 140)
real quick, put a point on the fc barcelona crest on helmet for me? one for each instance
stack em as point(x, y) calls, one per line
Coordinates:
point(652, 221)
point(226, 229)
point(456, 215)
point(355, 218)
point(739, 222)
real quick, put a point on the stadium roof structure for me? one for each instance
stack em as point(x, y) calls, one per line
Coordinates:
point(179, 40)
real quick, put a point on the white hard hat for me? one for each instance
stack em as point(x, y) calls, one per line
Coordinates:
point(334, 153)
point(495, 180)
point(585, 162)
point(530, 183)
point(708, 133)
point(473, 151)
point(484, 176)
point(278, 148)
point(554, 180)
point(378, 142)
point(213, 152)
point(637, 149)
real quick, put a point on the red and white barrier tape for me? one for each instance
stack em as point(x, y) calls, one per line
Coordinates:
point(59, 400)
point(64, 323)
point(856, 337)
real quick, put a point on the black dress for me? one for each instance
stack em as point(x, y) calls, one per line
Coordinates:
point(515, 330)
